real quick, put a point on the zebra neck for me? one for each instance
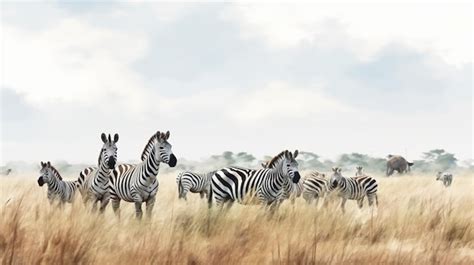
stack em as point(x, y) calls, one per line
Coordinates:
point(53, 184)
point(102, 175)
point(277, 179)
point(150, 167)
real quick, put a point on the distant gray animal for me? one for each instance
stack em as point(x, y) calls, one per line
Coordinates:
point(446, 178)
point(397, 163)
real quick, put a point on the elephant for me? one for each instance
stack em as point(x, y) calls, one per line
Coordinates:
point(397, 163)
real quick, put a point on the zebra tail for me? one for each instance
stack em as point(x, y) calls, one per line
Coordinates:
point(180, 186)
point(376, 200)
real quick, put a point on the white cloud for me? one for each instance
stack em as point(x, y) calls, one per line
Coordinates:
point(73, 62)
point(280, 100)
point(442, 29)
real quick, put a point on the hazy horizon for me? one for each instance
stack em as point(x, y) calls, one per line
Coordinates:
point(258, 78)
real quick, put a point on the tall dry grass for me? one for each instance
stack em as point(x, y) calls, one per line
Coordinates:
point(418, 222)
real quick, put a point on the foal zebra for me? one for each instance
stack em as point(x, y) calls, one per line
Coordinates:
point(290, 190)
point(193, 182)
point(446, 178)
point(266, 185)
point(315, 187)
point(353, 188)
point(58, 189)
point(93, 181)
point(138, 183)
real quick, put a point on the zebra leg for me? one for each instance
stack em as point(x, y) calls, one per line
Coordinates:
point(138, 210)
point(360, 202)
point(94, 205)
point(150, 203)
point(308, 198)
point(116, 206)
point(103, 205)
point(343, 203)
point(201, 194)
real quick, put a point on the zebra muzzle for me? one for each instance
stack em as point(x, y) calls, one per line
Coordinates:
point(40, 181)
point(172, 161)
point(296, 177)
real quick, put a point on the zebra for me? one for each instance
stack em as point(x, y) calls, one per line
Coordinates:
point(446, 178)
point(94, 181)
point(266, 185)
point(291, 191)
point(193, 182)
point(355, 188)
point(58, 189)
point(138, 183)
point(359, 172)
point(315, 187)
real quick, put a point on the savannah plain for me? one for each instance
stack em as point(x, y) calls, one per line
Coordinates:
point(418, 221)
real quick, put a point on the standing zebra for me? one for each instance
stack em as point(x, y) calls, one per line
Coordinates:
point(315, 187)
point(93, 181)
point(239, 184)
point(446, 178)
point(353, 188)
point(193, 182)
point(291, 190)
point(58, 189)
point(359, 172)
point(138, 183)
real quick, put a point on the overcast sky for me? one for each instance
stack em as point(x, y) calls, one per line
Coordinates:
point(330, 79)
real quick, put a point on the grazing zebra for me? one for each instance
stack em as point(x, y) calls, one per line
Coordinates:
point(138, 183)
point(94, 181)
point(265, 185)
point(193, 182)
point(315, 187)
point(58, 189)
point(359, 172)
point(355, 188)
point(290, 190)
point(446, 178)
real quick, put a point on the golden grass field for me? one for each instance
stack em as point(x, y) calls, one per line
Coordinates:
point(418, 222)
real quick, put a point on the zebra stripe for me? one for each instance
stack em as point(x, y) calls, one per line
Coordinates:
point(446, 178)
point(94, 181)
point(290, 190)
point(353, 188)
point(138, 183)
point(315, 187)
point(58, 189)
point(265, 185)
point(193, 182)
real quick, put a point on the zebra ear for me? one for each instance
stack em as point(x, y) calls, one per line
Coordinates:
point(334, 169)
point(42, 164)
point(49, 164)
point(296, 154)
point(167, 135)
point(264, 165)
point(116, 138)
point(339, 170)
point(103, 137)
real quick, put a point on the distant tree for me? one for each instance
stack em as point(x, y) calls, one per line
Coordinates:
point(308, 160)
point(440, 159)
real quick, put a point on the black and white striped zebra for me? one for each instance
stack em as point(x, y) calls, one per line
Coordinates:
point(193, 182)
point(255, 185)
point(138, 183)
point(356, 188)
point(315, 187)
point(94, 181)
point(291, 190)
point(359, 171)
point(58, 189)
point(446, 178)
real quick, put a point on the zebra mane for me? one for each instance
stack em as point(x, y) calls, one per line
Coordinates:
point(55, 172)
point(275, 160)
point(148, 147)
point(100, 157)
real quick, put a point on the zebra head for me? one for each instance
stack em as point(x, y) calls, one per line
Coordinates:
point(108, 153)
point(45, 173)
point(359, 170)
point(438, 175)
point(164, 149)
point(335, 178)
point(290, 166)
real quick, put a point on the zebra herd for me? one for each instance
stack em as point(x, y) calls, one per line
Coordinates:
point(278, 180)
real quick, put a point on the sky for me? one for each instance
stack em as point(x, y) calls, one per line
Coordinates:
point(376, 79)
